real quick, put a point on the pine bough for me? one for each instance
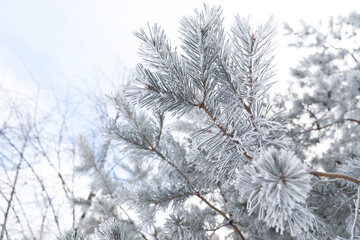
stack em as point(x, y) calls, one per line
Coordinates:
point(200, 115)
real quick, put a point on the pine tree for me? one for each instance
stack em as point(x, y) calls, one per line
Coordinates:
point(325, 111)
point(220, 159)
point(324, 115)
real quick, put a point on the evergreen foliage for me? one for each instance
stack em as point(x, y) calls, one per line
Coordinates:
point(324, 116)
point(201, 118)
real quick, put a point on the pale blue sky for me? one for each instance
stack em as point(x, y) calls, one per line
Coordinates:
point(62, 42)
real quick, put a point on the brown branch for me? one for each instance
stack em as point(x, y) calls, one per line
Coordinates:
point(353, 120)
point(228, 79)
point(153, 149)
point(152, 89)
point(316, 120)
point(201, 106)
point(215, 229)
point(155, 234)
point(335, 175)
point(173, 165)
point(242, 101)
point(318, 127)
point(199, 195)
point(89, 199)
point(222, 129)
point(143, 236)
point(231, 223)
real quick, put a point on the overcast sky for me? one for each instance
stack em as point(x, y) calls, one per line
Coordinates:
point(58, 43)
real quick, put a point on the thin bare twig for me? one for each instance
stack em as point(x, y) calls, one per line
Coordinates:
point(13, 188)
point(43, 188)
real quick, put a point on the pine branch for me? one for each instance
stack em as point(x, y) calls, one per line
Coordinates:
point(353, 120)
point(199, 195)
point(231, 223)
point(222, 129)
point(335, 175)
point(157, 152)
point(242, 101)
